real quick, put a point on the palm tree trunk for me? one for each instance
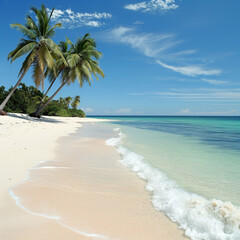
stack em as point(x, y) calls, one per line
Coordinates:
point(37, 113)
point(3, 104)
point(45, 95)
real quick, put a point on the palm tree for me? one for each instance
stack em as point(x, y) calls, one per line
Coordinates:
point(80, 65)
point(61, 100)
point(75, 102)
point(38, 45)
point(52, 74)
point(67, 101)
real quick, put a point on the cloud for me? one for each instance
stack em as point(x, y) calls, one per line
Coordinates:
point(71, 19)
point(192, 71)
point(158, 46)
point(184, 52)
point(184, 111)
point(123, 110)
point(213, 82)
point(216, 113)
point(149, 44)
point(138, 22)
point(152, 5)
point(89, 110)
point(202, 94)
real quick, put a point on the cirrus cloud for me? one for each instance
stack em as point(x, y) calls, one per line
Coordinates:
point(192, 71)
point(214, 82)
point(184, 111)
point(150, 44)
point(89, 110)
point(201, 94)
point(159, 46)
point(123, 111)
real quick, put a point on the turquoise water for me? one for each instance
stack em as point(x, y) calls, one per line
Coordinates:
point(192, 168)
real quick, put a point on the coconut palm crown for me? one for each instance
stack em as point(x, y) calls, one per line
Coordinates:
point(81, 61)
point(37, 43)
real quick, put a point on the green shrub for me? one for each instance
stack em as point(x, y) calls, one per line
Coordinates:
point(62, 113)
point(26, 99)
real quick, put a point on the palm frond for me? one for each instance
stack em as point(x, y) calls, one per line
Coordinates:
point(50, 14)
point(26, 32)
point(31, 24)
point(23, 47)
point(73, 60)
point(54, 48)
point(38, 74)
point(51, 32)
point(94, 53)
point(27, 62)
point(39, 67)
point(48, 57)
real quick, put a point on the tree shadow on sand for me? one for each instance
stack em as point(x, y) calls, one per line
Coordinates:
point(42, 119)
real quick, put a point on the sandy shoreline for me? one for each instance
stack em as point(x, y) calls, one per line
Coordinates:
point(31, 141)
point(111, 200)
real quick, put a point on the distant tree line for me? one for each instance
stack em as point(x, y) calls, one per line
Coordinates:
point(25, 99)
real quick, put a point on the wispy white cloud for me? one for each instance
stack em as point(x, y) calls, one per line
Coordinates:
point(159, 46)
point(213, 81)
point(152, 5)
point(149, 44)
point(202, 94)
point(184, 52)
point(190, 70)
point(123, 111)
point(233, 112)
point(184, 111)
point(89, 110)
point(71, 19)
point(138, 22)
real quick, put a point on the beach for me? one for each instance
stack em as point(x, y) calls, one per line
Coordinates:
point(59, 180)
point(119, 120)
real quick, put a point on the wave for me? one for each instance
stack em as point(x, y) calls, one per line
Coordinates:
point(200, 218)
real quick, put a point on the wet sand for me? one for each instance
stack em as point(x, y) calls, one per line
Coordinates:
point(84, 192)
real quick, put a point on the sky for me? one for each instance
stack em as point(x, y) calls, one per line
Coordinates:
point(160, 57)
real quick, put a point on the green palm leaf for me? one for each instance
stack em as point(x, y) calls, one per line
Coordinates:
point(51, 32)
point(48, 57)
point(54, 48)
point(26, 32)
point(38, 74)
point(27, 62)
point(24, 47)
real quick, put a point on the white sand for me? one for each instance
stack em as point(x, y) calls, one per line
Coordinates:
point(25, 141)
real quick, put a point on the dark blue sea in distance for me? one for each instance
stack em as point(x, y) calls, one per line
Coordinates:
point(220, 131)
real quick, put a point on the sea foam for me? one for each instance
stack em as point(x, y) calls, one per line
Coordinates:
point(200, 218)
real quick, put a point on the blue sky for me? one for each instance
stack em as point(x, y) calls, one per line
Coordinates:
point(162, 57)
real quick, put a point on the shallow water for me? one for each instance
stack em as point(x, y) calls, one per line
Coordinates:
point(192, 166)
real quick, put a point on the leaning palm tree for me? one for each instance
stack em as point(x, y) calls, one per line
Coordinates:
point(38, 45)
point(81, 65)
point(53, 74)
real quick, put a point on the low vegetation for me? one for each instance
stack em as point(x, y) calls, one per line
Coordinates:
point(25, 99)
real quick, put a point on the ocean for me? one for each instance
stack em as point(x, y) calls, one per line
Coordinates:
point(191, 166)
